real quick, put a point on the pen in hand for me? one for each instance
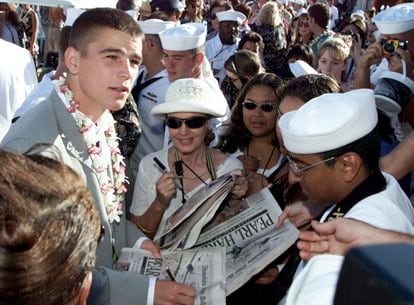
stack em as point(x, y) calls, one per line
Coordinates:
point(169, 273)
point(160, 165)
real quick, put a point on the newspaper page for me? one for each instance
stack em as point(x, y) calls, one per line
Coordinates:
point(203, 269)
point(250, 238)
point(183, 227)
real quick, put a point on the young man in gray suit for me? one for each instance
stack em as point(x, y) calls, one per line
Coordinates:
point(103, 56)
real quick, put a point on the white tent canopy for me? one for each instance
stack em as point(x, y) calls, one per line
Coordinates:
point(86, 4)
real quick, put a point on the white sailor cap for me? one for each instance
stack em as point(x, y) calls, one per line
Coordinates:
point(231, 15)
point(396, 19)
point(358, 13)
point(72, 14)
point(184, 37)
point(191, 95)
point(155, 26)
point(284, 2)
point(299, 2)
point(300, 67)
point(329, 121)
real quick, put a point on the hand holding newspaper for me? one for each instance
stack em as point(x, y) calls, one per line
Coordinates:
point(204, 270)
point(244, 233)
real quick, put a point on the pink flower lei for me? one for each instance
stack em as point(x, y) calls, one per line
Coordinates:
point(112, 193)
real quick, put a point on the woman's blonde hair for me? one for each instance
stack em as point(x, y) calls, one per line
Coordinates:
point(269, 14)
point(337, 48)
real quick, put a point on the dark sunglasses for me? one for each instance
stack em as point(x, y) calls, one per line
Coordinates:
point(266, 107)
point(304, 24)
point(192, 123)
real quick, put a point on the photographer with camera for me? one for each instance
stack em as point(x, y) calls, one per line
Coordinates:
point(396, 26)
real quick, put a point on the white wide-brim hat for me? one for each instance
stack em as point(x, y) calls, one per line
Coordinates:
point(155, 26)
point(300, 67)
point(329, 121)
point(396, 19)
point(183, 37)
point(191, 95)
point(231, 15)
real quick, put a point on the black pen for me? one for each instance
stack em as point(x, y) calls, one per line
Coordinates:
point(169, 273)
point(160, 165)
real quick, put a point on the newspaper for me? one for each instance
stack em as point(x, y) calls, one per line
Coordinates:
point(183, 227)
point(250, 238)
point(204, 270)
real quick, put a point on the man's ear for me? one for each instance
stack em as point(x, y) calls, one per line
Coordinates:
point(84, 290)
point(351, 164)
point(72, 57)
point(199, 58)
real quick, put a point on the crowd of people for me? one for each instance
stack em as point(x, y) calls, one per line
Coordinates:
point(311, 99)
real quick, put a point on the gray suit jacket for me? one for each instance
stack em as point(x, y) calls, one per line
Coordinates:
point(50, 123)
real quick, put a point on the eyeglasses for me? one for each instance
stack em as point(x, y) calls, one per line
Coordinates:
point(192, 123)
point(266, 107)
point(300, 170)
point(304, 24)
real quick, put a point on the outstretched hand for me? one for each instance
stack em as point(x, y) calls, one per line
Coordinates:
point(335, 237)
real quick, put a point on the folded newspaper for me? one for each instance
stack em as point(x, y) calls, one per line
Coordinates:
point(246, 232)
point(204, 270)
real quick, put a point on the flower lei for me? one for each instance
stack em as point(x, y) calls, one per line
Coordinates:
point(113, 194)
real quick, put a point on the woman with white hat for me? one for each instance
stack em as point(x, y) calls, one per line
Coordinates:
point(189, 163)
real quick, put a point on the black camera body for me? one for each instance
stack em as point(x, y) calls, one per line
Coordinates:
point(391, 45)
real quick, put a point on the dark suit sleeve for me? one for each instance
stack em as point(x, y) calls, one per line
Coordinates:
point(111, 287)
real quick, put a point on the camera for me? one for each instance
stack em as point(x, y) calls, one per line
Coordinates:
point(390, 46)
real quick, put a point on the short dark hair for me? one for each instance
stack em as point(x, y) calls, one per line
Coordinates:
point(302, 52)
point(251, 36)
point(85, 27)
point(307, 87)
point(320, 13)
point(49, 229)
point(367, 147)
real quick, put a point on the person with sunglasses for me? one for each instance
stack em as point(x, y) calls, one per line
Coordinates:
point(301, 33)
point(334, 149)
point(251, 135)
point(239, 67)
point(189, 163)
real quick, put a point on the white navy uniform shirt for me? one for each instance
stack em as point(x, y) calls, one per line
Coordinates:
point(152, 135)
point(217, 54)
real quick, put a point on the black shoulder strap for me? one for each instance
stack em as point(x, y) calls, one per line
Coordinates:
point(139, 87)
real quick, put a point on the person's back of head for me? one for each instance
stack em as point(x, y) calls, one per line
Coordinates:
point(86, 26)
point(49, 229)
point(245, 64)
point(320, 13)
point(126, 5)
point(269, 15)
point(309, 86)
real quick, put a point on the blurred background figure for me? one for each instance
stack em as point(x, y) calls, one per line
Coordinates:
point(9, 23)
point(49, 229)
point(30, 24)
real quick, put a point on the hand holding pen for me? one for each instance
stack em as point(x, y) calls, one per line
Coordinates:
point(166, 186)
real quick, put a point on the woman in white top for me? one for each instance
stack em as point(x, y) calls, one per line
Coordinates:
point(188, 108)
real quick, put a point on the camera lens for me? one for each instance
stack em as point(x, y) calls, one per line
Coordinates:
point(389, 47)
